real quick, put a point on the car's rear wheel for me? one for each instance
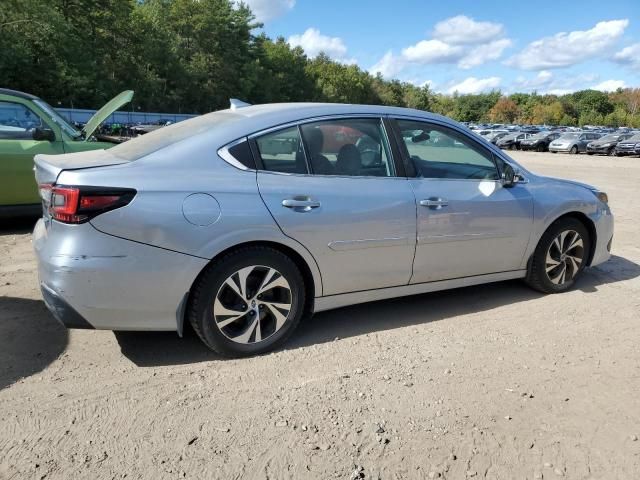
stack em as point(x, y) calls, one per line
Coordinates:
point(612, 151)
point(248, 302)
point(560, 256)
point(540, 148)
point(574, 150)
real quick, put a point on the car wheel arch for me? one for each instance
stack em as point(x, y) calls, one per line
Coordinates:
point(311, 283)
point(582, 218)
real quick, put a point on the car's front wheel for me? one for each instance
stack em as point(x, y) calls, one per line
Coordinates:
point(560, 256)
point(248, 302)
point(574, 150)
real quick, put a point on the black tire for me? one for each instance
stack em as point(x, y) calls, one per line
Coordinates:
point(611, 152)
point(204, 293)
point(589, 153)
point(537, 277)
point(540, 148)
point(574, 150)
point(553, 151)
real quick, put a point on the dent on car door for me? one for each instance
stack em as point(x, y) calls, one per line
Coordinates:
point(17, 149)
point(337, 193)
point(468, 223)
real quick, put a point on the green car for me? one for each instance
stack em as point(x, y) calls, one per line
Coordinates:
point(28, 126)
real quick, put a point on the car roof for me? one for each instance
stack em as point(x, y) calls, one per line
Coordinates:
point(231, 124)
point(16, 93)
point(310, 109)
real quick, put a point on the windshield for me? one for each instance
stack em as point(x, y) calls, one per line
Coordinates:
point(540, 135)
point(635, 138)
point(610, 138)
point(55, 116)
point(570, 136)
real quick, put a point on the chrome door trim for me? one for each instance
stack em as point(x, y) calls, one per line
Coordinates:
point(342, 300)
point(343, 245)
point(340, 116)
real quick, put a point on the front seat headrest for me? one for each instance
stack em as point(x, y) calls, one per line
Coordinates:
point(349, 161)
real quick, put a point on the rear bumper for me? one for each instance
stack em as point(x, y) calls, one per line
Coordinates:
point(93, 280)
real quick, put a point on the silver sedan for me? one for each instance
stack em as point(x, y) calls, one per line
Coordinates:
point(244, 221)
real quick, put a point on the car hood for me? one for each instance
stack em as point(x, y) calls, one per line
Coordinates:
point(597, 143)
point(571, 182)
point(101, 115)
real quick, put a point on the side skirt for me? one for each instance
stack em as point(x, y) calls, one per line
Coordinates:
point(342, 300)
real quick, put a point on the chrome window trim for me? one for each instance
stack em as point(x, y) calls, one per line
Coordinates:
point(223, 152)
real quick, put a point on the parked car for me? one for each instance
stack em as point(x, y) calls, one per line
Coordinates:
point(573, 142)
point(606, 145)
point(160, 230)
point(630, 146)
point(29, 126)
point(495, 135)
point(539, 142)
point(512, 141)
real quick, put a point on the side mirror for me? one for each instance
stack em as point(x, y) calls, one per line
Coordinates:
point(44, 134)
point(510, 176)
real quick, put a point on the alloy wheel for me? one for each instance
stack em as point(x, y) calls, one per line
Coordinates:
point(564, 257)
point(252, 304)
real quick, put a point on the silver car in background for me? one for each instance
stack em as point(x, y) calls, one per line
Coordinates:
point(573, 142)
point(244, 221)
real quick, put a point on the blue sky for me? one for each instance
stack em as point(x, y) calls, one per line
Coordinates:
point(471, 46)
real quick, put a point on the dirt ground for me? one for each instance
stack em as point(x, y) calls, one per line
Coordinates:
point(494, 381)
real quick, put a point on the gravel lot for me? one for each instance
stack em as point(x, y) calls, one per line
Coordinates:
point(494, 381)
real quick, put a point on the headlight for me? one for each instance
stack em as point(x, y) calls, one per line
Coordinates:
point(602, 196)
point(637, 145)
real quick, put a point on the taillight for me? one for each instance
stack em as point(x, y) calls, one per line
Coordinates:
point(80, 204)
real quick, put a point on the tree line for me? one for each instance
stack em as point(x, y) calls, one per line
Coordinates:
point(191, 56)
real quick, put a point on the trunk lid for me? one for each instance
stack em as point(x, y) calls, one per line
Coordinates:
point(48, 167)
point(101, 115)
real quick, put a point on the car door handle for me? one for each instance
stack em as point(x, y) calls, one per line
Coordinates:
point(435, 203)
point(300, 204)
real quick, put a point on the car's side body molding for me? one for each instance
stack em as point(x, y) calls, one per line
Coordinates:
point(336, 301)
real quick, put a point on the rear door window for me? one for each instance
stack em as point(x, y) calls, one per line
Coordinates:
point(348, 147)
point(282, 151)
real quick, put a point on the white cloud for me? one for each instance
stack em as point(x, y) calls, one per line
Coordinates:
point(313, 43)
point(388, 66)
point(484, 53)
point(475, 85)
point(432, 51)
point(457, 40)
point(462, 30)
point(610, 85)
point(266, 10)
point(629, 56)
point(546, 82)
point(564, 49)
